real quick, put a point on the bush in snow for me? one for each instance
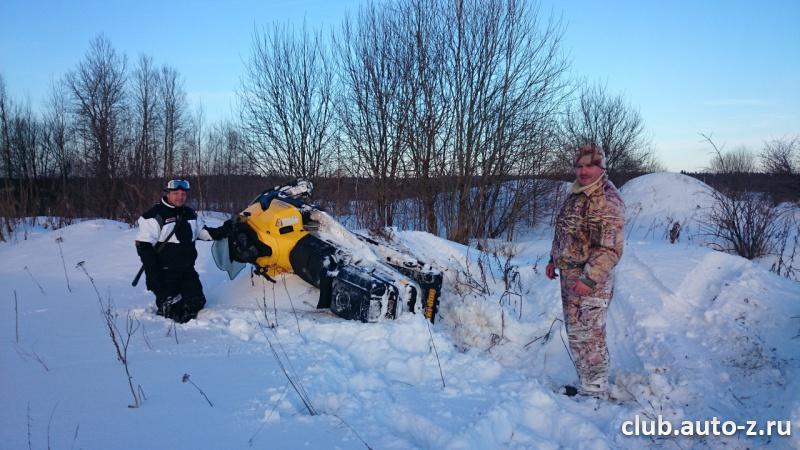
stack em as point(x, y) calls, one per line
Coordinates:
point(745, 224)
point(788, 247)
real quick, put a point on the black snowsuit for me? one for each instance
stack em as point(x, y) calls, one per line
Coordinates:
point(170, 270)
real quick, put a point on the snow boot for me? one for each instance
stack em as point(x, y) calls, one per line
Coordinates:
point(569, 391)
point(572, 391)
point(179, 309)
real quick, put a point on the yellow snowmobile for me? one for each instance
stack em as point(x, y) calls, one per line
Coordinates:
point(359, 278)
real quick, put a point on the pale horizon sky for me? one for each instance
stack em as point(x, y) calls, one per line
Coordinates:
point(726, 68)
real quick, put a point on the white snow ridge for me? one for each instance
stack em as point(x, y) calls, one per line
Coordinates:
point(694, 334)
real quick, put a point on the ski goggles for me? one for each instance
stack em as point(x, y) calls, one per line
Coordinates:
point(174, 185)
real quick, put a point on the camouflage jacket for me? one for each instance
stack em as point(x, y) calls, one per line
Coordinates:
point(589, 231)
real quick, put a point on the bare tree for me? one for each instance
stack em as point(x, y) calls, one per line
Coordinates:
point(24, 159)
point(455, 90)
point(376, 64)
point(737, 161)
point(98, 90)
point(287, 103)
point(225, 150)
point(61, 139)
point(173, 115)
point(104, 139)
point(225, 156)
point(505, 81)
point(529, 197)
point(429, 124)
point(29, 159)
point(146, 117)
point(7, 201)
point(24, 134)
point(199, 165)
point(600, 117)
point(781, 156)
point(5, 144)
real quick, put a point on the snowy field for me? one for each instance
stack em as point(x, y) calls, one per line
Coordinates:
point(694, 334)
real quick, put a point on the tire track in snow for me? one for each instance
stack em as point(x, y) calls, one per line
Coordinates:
point(659, 357)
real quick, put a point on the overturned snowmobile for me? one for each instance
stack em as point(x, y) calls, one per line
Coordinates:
point(358, 277)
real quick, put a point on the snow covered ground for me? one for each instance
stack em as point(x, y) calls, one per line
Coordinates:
point(694, 334)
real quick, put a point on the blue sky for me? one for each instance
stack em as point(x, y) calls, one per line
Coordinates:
point(726, 68)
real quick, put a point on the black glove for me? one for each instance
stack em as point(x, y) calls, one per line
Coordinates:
point(152, 269)
point(153, 282)
point(221, 232)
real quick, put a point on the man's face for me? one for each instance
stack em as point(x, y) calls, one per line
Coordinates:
point(176, 197)
point(585, 172)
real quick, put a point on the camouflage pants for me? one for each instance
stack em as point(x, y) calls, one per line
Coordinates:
point(585, 320)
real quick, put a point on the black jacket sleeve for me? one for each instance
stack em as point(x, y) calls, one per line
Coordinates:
point(152, 268)
point(220, 232)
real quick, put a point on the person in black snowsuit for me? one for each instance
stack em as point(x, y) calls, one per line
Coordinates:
point(166, 245)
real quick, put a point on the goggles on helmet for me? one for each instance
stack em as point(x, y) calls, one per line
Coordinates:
point(174, 185)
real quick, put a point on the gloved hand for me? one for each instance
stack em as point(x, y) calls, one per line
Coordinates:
point(153, 280)
point(221, 232)
point(152, 268)
point(228, 226)
point(550, 271)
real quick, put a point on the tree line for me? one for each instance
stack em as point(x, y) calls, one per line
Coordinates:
point(448, 114)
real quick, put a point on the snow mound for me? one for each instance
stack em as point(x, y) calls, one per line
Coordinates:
point(654, 201)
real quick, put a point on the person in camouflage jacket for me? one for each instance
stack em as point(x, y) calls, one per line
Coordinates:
point(588, 243)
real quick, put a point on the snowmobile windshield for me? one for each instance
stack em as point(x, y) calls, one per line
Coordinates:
point(220, 250)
